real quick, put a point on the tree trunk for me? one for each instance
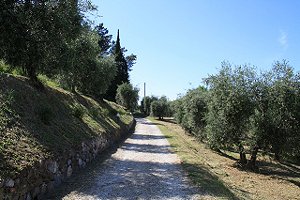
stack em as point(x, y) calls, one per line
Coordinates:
point(243, 159)
point(31, 72)
point(276, 150)
point(252, 162)
point(277, 156)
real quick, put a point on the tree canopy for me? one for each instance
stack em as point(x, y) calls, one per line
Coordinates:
point(54, 38)
point(244, 111)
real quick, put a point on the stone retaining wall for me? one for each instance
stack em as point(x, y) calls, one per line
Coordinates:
point(44, 176)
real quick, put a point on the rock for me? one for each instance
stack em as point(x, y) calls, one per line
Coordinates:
point(69, 171)
point(80, 162)
point(57, 179)
point(28, 196)
point(52, 167)
point(69, 162)
point(9, 183)
point(43, 188)
point(50, 186)
point(17, 181)
point(84, 147)
point(36, 192)
point(83, 164)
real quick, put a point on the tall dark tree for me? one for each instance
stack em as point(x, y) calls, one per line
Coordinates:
point(122, 71)
point(104, 42)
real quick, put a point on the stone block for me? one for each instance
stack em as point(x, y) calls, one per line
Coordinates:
point(9, 183)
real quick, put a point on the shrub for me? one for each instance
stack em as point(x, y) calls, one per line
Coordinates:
point(4, 68)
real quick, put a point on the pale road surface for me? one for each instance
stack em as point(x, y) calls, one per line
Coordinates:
point(142, 168)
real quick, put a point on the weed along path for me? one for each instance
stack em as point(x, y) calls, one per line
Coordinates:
point(142, 168)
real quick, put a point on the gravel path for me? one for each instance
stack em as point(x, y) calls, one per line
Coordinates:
point(143, 168)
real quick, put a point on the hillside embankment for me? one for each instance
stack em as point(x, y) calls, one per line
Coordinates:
point(46, 135)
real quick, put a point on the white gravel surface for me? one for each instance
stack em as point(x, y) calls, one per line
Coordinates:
point(142, 168)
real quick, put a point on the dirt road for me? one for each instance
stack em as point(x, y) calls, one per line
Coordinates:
point(143, 168)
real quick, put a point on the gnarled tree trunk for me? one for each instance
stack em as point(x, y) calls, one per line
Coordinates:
point(252, 162)
point(243, 159)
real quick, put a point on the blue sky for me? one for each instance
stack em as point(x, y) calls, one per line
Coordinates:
point(178, 43)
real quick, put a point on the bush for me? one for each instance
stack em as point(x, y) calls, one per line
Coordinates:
point(4, 68)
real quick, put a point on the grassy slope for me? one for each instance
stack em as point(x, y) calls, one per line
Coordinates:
point(216, 174)
point(43, 123)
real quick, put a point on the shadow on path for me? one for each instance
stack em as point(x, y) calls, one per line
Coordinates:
point(126, 177)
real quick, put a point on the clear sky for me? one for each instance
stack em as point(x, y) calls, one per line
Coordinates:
point(180, 42)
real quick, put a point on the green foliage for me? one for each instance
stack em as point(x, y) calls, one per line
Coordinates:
point(230, 105)
point(127, 96)
point(160, 108)
point(47, 81)
point(104, 40)
point(95, 112)
point(276, 121)
point(29, 35)
point(122, 71)
point(84, 70)
point(78, 111)
point(4, 68)
point(190, 111)
point(105, 112)
point(245, 111)
point(6, 111)
point(146, 103)
point(55, 40)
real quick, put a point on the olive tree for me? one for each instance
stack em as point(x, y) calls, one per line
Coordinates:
point(127, 96)
point(230, 106)
point(190, 111)
point(160, 107)
point(276, 118)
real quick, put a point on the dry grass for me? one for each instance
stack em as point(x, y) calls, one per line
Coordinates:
point(47, 123)
point(215, 173)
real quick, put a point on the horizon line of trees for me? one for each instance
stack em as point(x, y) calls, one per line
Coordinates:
point(55, 39)
point(245, 111)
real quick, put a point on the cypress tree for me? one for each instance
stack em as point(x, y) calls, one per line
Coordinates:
point(122, 71)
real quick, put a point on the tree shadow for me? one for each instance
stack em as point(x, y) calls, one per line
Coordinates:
point(282, 171)
point(112, 178)
point(144, 121)
point(226, 155)
point(169, 120)
point(147, 148)
point(147, 137)
point(208, 181)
